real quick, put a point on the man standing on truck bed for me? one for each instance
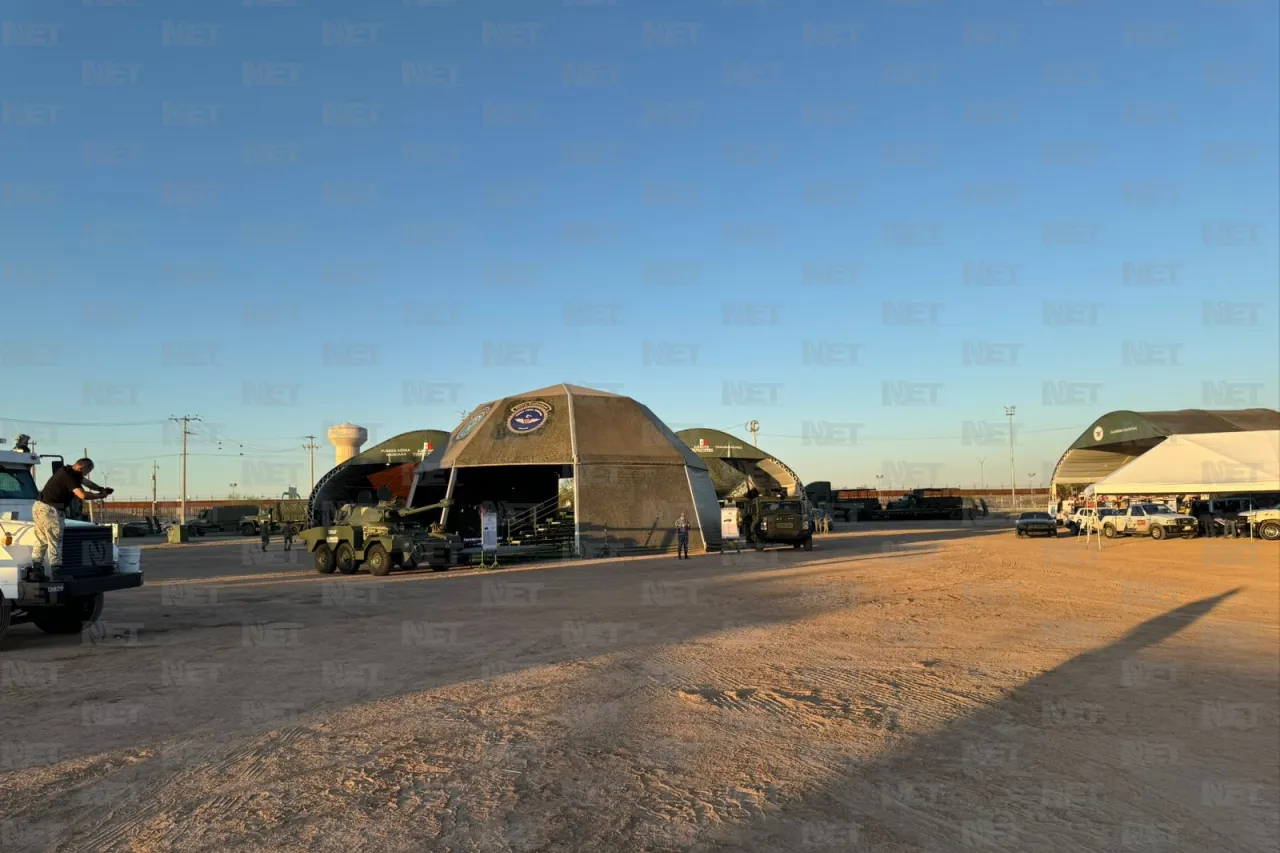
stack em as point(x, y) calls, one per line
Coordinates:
point(49, 514)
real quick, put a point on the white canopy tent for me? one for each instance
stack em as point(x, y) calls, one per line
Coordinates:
point(1203, 463)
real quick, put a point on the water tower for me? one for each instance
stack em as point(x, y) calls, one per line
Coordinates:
point(347, 439)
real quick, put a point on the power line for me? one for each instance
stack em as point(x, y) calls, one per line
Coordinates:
point(69, 423)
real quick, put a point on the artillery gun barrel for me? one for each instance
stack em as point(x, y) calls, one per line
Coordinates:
point(407, 513)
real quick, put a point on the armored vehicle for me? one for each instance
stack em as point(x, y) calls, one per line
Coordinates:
point(780, 519)
point(383, 537)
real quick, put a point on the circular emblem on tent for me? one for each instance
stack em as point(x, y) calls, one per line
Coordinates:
point(527, 417)
point(1097, 433)
point(470, 424)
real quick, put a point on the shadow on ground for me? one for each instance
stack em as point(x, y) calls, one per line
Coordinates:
point(1119, 748)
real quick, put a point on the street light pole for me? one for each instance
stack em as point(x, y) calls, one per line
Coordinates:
point(981, 468)
point(1010, 411)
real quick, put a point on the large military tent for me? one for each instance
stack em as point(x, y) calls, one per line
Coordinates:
point(1203, 463)
point(629, 475)
point(357, 480)
point(736, 465)
point(1117, 438)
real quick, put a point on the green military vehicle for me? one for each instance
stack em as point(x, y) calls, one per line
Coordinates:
point(383, 537)
point(278, 515)
point(780, 519)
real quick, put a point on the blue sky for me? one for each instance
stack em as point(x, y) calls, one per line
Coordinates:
point(743, 186)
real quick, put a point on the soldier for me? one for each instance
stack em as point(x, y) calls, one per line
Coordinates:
point(266, 533)
point(50, 513)
point(682, 537)
point(288, 536)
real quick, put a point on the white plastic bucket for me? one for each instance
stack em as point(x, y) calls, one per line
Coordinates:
point(130, 561)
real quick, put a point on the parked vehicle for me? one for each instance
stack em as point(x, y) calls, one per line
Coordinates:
point(221, 519)
point(1031, 523)
point(1086, 518)
point(1149, 519)
point(785, 520)
point(1265, 523)
point(383, 537)
point(277, 514)
point(91, 566)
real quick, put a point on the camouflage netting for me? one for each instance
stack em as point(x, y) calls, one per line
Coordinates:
point(634, 476)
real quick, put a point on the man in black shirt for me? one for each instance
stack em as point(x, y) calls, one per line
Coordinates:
point(50, 512)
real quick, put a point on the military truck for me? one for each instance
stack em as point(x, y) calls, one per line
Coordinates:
point(845, 504)
point(777, 519)
point(920, 505)
point(277, 514)
point(383, 537)
point(221, 519)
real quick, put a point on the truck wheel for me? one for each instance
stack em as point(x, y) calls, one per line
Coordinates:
point(1109, 531)
point(345, 559)
point(324, 560)
point(378, 560)
point(6, 614)
point(1157, 532)
point(69, 618)
point(808, 544)
point(247, 530)
point(1269, 530)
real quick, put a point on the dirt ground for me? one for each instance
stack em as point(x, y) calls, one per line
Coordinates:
point(903, 688)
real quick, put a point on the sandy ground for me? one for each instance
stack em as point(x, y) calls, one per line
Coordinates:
point(898, 689)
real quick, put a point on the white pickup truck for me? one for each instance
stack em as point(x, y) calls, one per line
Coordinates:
point(1149, 519)
point(1087, 517)
point(91, 563)
point(1265, 522)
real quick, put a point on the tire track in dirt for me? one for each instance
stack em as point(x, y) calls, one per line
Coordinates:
point(170, 799)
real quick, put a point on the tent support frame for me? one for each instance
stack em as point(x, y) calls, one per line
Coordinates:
point(577, 471)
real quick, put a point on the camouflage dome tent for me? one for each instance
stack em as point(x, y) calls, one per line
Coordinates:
point(737, 465)
point(631, 475)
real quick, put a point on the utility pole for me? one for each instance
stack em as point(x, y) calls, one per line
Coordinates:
point(754, 426)
point(1010, 411)
point(982, 463)
point(155, 466)
point(185, 420)
point(312, 447)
